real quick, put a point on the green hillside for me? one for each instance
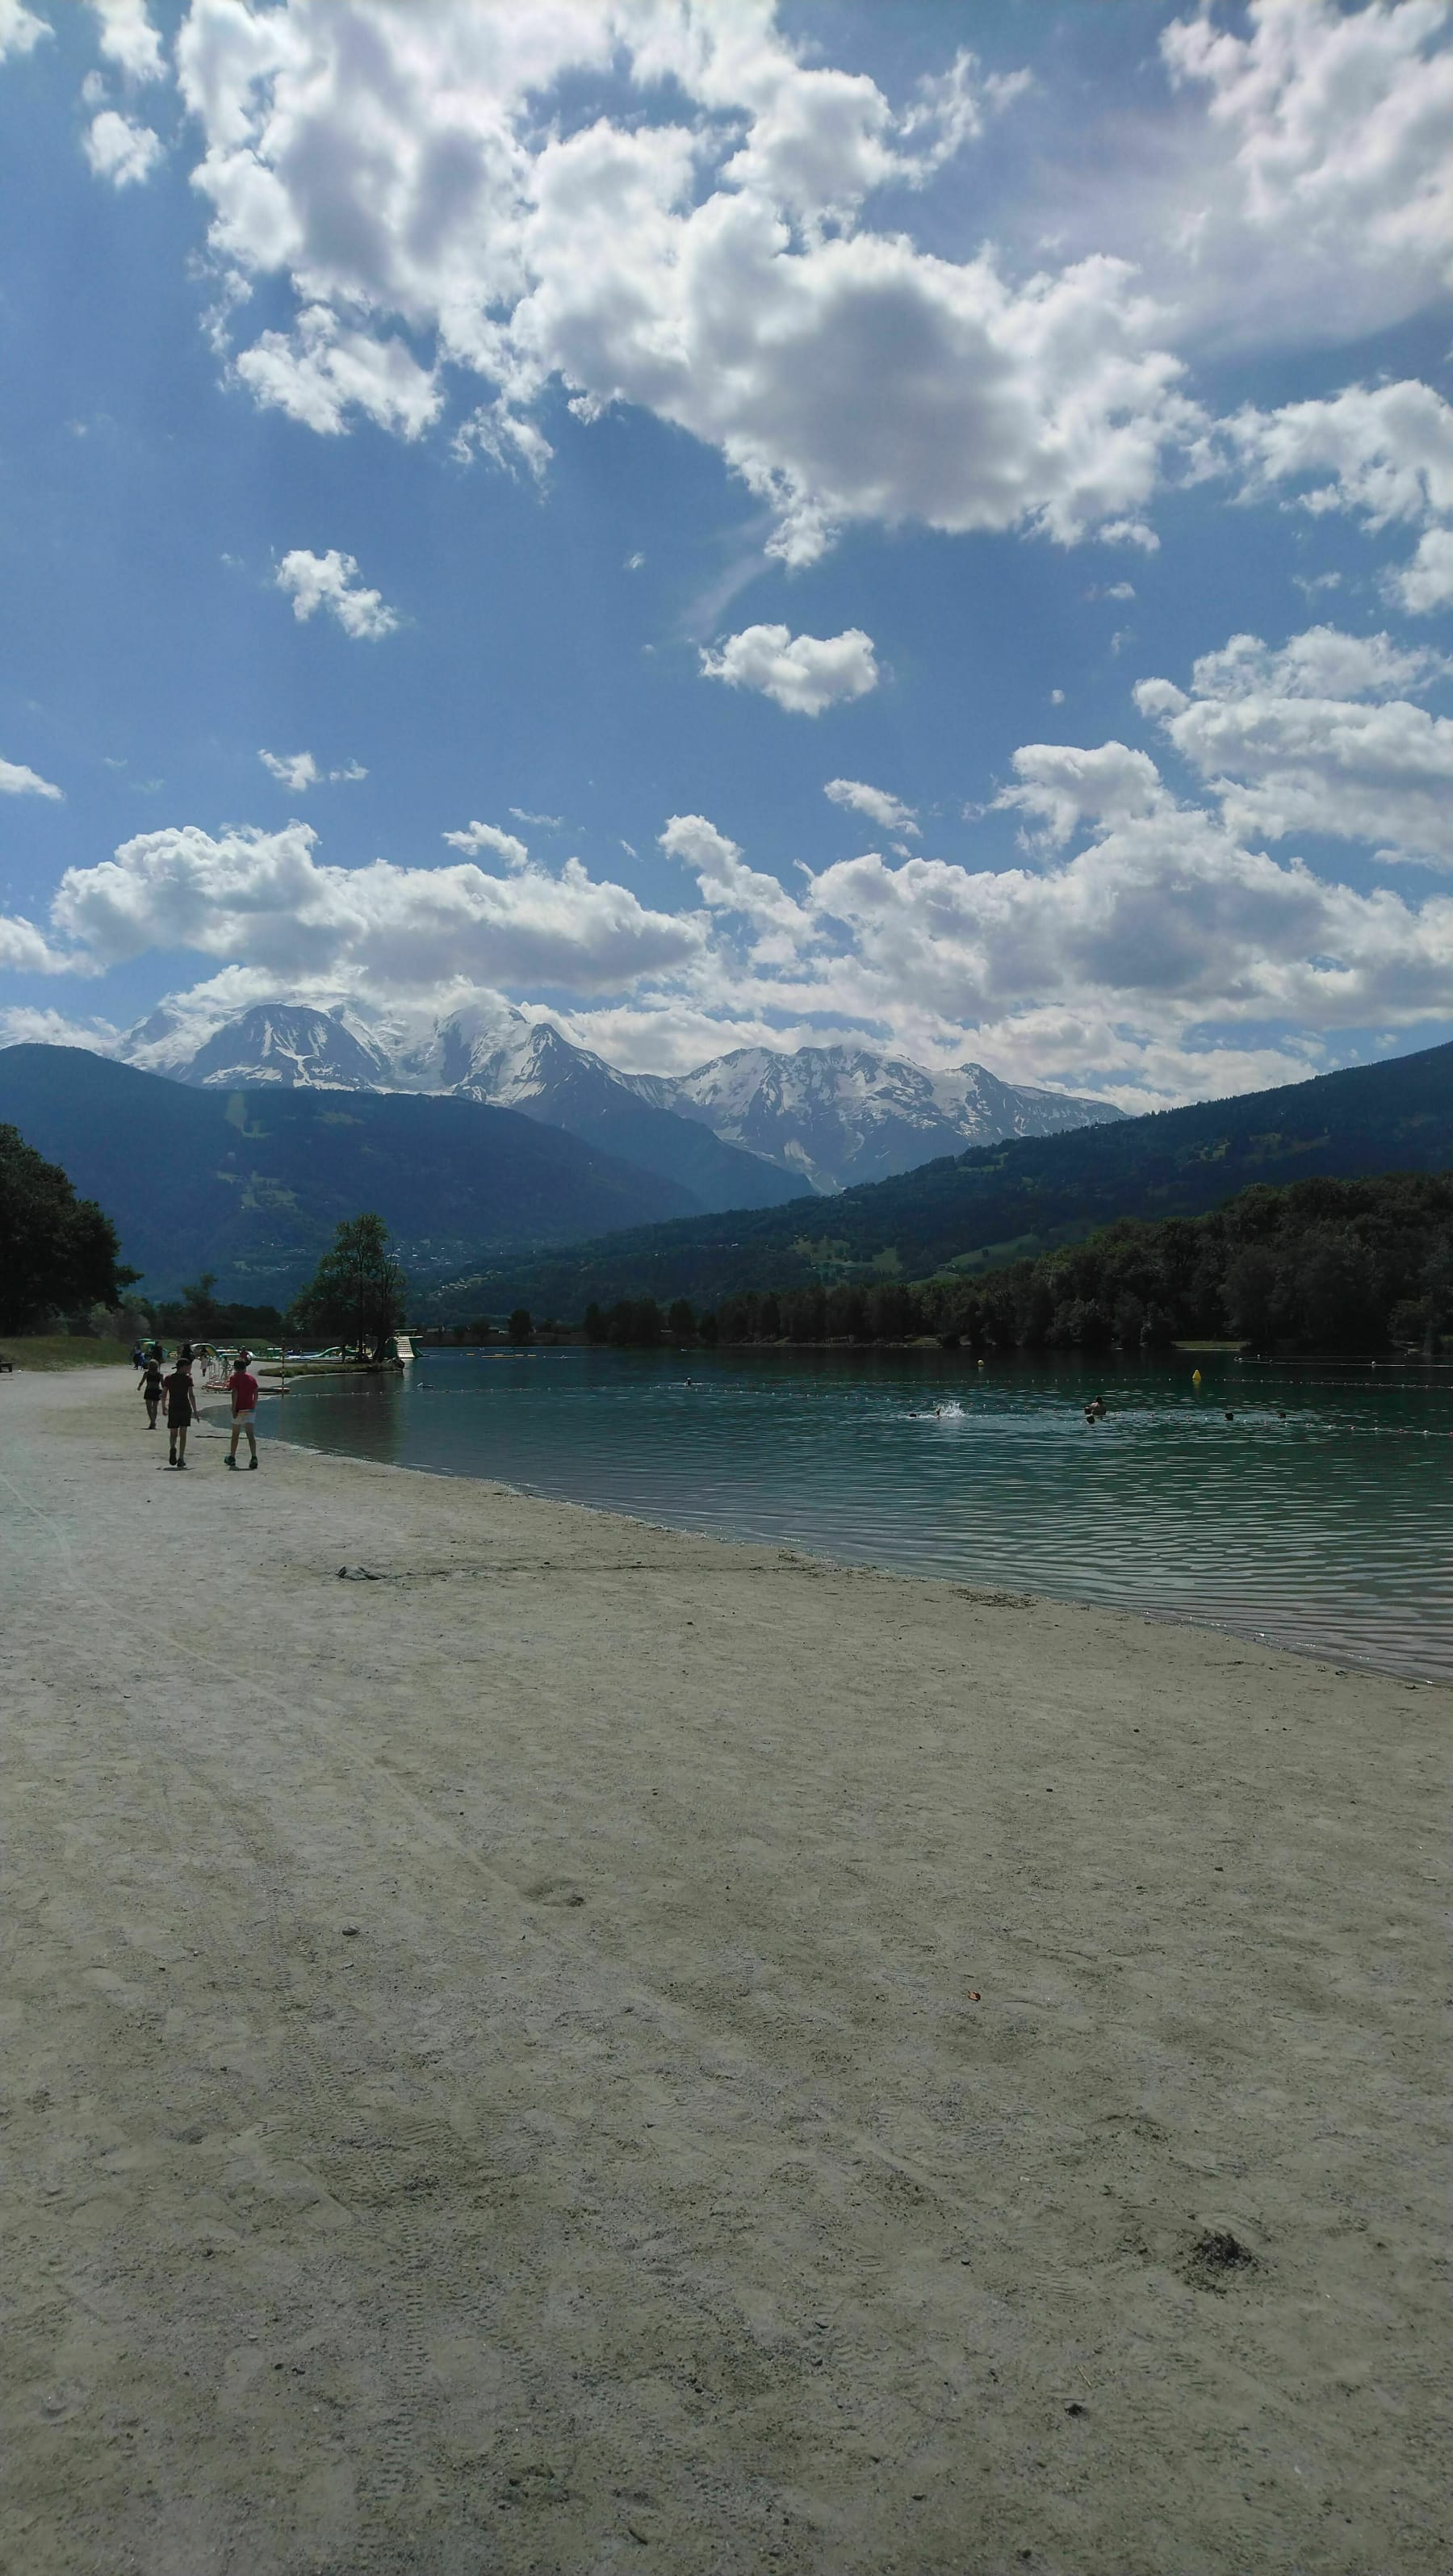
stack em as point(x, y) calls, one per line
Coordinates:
point(1319, 1264)
point(976, 1211)
point(250, 1184)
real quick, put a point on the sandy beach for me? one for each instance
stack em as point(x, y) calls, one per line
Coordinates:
point(600, 2049)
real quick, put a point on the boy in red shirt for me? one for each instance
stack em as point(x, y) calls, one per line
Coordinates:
point(243, 1387)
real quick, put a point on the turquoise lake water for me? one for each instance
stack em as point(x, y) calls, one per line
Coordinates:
point(1329, 1530)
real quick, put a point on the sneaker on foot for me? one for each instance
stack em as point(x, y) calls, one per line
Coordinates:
point(181, 1462)
point(252, 1462)
point(229, 1462)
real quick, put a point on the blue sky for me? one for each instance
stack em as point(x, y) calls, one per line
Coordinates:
point(925, 525)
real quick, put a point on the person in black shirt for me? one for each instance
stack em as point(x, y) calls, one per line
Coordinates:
point(181, 1409)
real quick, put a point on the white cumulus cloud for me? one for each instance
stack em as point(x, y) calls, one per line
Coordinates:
point(332, 581)
point(718, 271)
point(262, 899)
point(1426, 584)
point(20, 29)
point(1163, 919)
point(804, 674)
point(1062, 787)
point(488, 836)
point(320, 372)
point(1318, 196)
point(26, 950)
point(17, 780)
point(461, 187)
point(728, 885)
point(889, 812)
point(1312, 738)
point(25, 1025)
point(1382, 453)
point(298, 771)
point(129, 40)
point(121, 151)
point(1147, 951)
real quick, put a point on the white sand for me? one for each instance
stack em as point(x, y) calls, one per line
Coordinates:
point(638, 2185)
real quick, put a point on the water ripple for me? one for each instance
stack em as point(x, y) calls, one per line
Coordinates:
point(1318, 1517)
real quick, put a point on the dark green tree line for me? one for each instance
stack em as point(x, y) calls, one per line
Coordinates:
point(1320, 1264)
point(57, 1252)
point(1323, 1264)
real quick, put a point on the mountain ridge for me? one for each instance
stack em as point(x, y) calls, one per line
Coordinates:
point(750, 1128)
point(505, 1064)
point(803, 1103)
point(1027, 1194)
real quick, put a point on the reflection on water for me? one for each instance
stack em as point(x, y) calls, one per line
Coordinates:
point(1319, 1517)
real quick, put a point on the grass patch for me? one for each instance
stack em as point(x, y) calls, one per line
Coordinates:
point(62, 1351)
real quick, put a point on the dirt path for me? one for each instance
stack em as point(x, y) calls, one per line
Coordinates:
point(601, 2049)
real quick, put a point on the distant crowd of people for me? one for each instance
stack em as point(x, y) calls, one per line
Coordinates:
point(176, 1389)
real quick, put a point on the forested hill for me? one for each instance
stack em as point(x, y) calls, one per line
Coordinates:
point(250, 1184)
point(999, 1202)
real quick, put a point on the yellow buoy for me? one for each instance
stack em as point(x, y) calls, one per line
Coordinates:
point(1195, 1377)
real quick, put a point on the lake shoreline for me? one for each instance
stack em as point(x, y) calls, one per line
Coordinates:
point(595, 2032)
point(524, 1492)
point(931, 1344)
point(1243, 1503)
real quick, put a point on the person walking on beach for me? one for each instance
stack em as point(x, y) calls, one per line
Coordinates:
point(149, 1386)
point(181, 1407)
point(243, 1387)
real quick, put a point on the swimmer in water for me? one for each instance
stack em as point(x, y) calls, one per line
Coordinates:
point(1095, 1409)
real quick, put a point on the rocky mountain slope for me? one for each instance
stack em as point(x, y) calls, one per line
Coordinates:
point(541, 1074)
point(840, 1115)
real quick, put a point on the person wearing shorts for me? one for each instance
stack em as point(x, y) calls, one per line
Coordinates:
point(149, 1388)
point(242, 1386)
point(181, 1409)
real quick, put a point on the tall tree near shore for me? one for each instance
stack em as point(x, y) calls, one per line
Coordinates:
point(199, 1300)
point(356, 1294)
point(56, 1251)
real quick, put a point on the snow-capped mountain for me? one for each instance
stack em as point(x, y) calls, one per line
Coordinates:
point(497, 1057)
point(309, 1046)
point(283, 1043)
point(843, 1114)
point(750, 1129)
point(537, 1071)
